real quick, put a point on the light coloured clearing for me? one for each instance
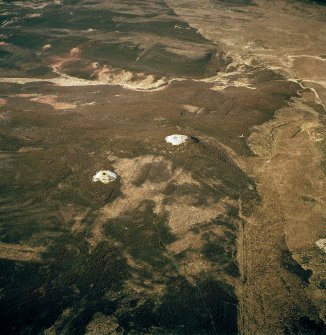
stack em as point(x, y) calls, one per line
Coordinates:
point(140, 287)
point(19, 252)
point(75, 51)
point(101, 325)
point(182, 214)
point(191, 108)
point(105, 176)
point(321, 244)
point(3, 102)
point(72, 213)
point(311, 128)
point(88, 103)
point(194, 264)
point(176, 139)
point(4, 116)
point(183, 217)
point(46, 46)
point(95, 65)
point(33, 15)
point(52, 101)
point(189, 240)
point(129, 170)
point(29, 149)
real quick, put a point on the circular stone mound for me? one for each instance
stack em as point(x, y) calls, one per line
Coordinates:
point(104, 176)
point(176, 139)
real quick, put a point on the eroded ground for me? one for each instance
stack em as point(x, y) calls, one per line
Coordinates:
point(224, 234)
